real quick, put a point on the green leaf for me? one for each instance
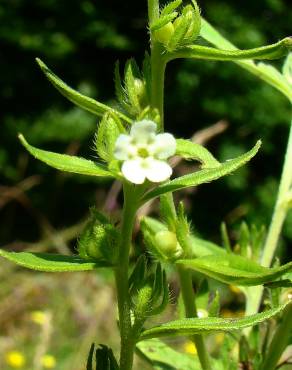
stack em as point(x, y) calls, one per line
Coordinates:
point(162, 21)
point(203, 176)
point(67, 163)
point(273, 51)
point(50, 262)
point(189, 150)
point(235, 269)
point(75, 97)
point(263, 71)
point(188, 327)
point(163, 357)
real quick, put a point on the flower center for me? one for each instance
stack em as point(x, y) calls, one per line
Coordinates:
point(143, 152)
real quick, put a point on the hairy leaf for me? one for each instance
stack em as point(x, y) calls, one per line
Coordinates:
point(162, 21)
point(203, 176)
point(189, 150)
point(234, 269)
point(263, 71)
point(67, 163)
point(75, 97)
point(170, 7)
point(187, 327)
point(273, 51)
point(50, 262)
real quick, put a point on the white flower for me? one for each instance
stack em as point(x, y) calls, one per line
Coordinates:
point(144, 153)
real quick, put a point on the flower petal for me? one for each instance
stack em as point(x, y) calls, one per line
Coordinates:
point(133, 171)
point(143, 131)
point(157, 171)
point(164, 146)
point(123, 147)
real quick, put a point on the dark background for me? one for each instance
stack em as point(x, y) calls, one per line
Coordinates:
point(80, 41)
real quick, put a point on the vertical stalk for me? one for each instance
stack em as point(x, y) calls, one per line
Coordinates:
point(191, 311)
point(121, 275)
point(278, 218)
point(158, 65)
point(279, 342)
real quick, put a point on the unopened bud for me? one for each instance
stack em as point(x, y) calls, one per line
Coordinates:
point(167, 243)
point(164, 34)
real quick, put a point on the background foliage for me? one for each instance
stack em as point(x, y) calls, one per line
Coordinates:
point(81, 41)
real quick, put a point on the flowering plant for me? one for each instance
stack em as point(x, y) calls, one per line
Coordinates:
point(134, 149)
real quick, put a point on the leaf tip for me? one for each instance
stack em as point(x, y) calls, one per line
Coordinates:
point(22, 140)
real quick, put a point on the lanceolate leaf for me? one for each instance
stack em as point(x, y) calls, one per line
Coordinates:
point(67, 163)
point(232, 269)
point(187, 327)
point(273, 51)
point(190, 150)
point(263, 71)
point(75, 97)
point(50, 262)
point(203, 176)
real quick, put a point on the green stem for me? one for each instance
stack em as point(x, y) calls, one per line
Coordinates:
point(158, 65)
point(121, 274)
point(191, 311)
point(278, 218)
point(280, 341)
point(153, 10)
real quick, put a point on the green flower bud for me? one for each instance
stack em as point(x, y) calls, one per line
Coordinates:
point(164, 34)
point(99, 241)
point(167, 243)
point(192, 14)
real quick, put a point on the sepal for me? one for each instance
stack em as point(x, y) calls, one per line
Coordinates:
point(99, 239)
point(132, 94)
point(174, 29)
point(108, 131)
point(148, 290)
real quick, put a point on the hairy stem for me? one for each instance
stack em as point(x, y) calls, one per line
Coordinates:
point(280, 341)
point(278, 218)
point(121, 274)
point(191, 311)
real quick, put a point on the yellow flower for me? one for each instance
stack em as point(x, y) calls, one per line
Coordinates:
point(15, 359)
point(48, 361)
point(38, 317)
point(189, 347)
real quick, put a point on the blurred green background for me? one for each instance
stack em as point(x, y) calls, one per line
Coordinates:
point(81, 41)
